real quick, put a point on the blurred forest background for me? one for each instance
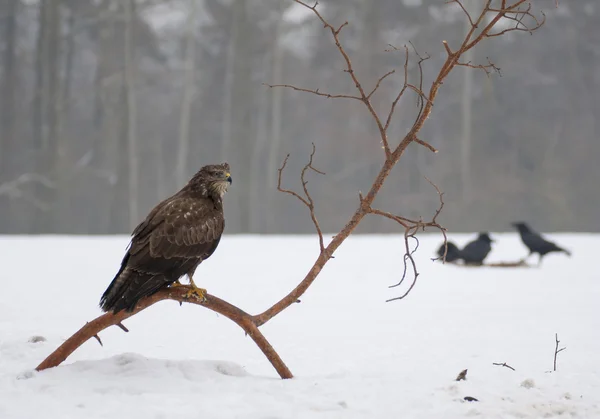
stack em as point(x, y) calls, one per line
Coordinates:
point(108, 106)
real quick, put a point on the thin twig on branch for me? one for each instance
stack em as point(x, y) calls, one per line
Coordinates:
point(422, 98)
point(313, 91)
point(487, 68)
point(99, 340)
point(122, 327)
point(307, 200)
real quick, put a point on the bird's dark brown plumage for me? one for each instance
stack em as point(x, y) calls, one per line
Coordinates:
point(176, 236)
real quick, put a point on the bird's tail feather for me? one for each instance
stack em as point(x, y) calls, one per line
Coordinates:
point(568, 252)
point(128, 287)
point(453, 253)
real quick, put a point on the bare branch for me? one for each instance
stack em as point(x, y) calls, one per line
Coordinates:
point(401, 93)
point(518, 15)
point(464, 10)
point(98, 339)
point(417, 89)
point(426, 145)
point(335, 32)
point(400, 220)
point(307, 200)
point(288, 191)
point(422, 96)
point(382, 78)
point(510, 12)
point(447, 47)
point(439, 209)
point(122, 327)
point(487, 68)
point(411, 227)
point(91, 329)
point(314, 92)
point(311, 204)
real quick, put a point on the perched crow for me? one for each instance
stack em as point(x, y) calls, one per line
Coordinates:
point(535, 242)
point(452, 255)
point(476, 251)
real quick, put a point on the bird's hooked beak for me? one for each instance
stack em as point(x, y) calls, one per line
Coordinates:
point(228, 177)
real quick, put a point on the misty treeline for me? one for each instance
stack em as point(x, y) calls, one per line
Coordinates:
point(109, 106)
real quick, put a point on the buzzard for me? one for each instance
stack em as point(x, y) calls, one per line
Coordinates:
point(177, 235)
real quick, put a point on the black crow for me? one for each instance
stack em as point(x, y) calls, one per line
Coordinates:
point(535, 242)
point(476, 251)
point(452, 255)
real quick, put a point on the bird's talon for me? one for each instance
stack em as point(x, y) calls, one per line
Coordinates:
point(196, 292)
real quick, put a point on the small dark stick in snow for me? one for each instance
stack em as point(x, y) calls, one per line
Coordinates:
point(503, 364)
point(462, 375)
point(556, 350)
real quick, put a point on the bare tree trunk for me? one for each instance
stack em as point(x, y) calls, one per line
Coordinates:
point(10, 149)
point(53, 79)
point(40, 62)
point(45, 109)
point(256, 210)
point(68, 70)
point(276, 107)
point(8, 90)
point(62, 219)
point(227, 121)
point(239, 124)
point(101, 139)
point(465, 141)
point(189, 93)
point(132, 150)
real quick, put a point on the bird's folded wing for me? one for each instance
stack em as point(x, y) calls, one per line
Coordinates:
point(181, 228)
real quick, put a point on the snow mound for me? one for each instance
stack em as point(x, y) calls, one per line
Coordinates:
point(354, 356)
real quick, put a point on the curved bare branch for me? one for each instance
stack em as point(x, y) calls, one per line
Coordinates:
point(240, 317)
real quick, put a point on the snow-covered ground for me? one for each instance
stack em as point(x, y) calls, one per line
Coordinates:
point(353, 355)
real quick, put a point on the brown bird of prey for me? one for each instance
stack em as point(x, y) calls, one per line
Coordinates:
point(177, 235)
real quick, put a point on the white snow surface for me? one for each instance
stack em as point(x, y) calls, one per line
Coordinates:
point(353, 355)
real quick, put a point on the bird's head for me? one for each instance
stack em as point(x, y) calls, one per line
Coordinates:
point(213, 179)
point(520, 225)
point(485, 237)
